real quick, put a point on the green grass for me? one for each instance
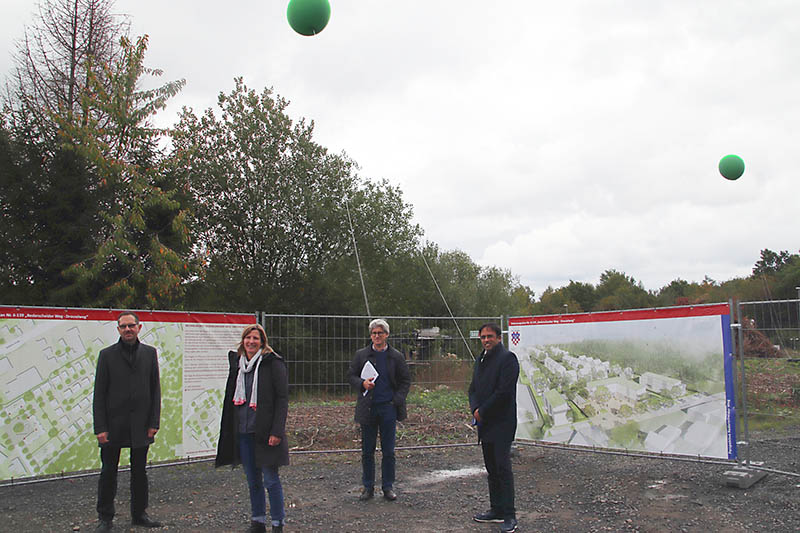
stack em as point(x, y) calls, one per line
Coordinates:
point(773, 394)
point(441, 397)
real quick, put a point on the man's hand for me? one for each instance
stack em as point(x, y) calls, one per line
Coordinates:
point(477, 416)
point(102, 438)
point(151, 432)
point(368, 384)
point(273, 440)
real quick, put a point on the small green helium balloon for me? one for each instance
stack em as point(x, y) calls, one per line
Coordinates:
point(731, 167)
point(308, 17)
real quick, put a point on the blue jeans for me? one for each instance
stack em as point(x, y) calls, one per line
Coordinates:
point(257, 480)
point(383, 416)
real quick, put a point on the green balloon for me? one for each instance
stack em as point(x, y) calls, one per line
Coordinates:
point(731, 167)
point(308, 17)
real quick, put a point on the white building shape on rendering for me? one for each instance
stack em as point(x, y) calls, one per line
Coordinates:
point(659, 383)
point(663, 439)
point(556, 406)
point(560, 370)
point(712, 413)
point(623, 389)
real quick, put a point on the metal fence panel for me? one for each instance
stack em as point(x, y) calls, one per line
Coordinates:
point(768, 370)
point(319, 348)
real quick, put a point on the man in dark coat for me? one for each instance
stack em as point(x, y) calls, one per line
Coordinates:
point(380, 405)
point(493, 403)
point(127, 410)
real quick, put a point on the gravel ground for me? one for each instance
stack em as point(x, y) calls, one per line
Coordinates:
point(440, 489)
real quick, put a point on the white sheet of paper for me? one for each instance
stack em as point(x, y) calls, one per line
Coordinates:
point(369, 371)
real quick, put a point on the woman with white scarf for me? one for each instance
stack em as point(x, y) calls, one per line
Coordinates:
point(253, 425)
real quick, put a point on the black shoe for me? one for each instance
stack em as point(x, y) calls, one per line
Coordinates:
point(257, 527)
point(366, 494)
point(487, 517)
point(277, 529)
point(104, 526)
point(509, 525)
point(389, 494)
point(145, 521)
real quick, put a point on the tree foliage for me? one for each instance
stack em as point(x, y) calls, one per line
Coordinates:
point(272, 208)
point(48, 213)
point(140, 257)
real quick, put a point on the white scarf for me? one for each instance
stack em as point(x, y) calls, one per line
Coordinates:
point(245, 367)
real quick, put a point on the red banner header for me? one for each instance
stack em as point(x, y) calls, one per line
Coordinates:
point(55, 313)
point(634, 314)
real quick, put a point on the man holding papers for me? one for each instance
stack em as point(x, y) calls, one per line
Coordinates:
point(380, 375)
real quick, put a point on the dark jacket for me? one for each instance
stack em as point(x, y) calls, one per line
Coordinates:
point(127, 394)
point(493, 391)
point(399, 379)
point(271, 413)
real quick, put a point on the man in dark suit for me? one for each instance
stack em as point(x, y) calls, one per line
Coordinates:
point(380, 404)
point(127, 409)
point(493, 403)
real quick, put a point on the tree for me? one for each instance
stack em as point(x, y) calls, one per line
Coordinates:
point(580, 296)
point(770, 262)
point(142, 255)
point(274, 211)
point(69, 40)
point(48, 215)
point(616, 290)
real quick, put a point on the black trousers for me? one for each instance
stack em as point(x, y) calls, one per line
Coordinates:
point(497, 458)
point(107, 485)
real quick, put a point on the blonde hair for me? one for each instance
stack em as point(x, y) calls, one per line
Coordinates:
point(265, 347)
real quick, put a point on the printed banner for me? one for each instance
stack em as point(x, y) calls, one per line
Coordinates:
point(48, 359)
point(654, 380)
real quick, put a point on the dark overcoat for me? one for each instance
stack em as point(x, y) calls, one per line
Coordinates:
point(127, 394)
point(271, 413)
point(493, 392)
point(399, 379)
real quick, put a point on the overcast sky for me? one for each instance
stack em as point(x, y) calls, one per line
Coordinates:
point(555, 139)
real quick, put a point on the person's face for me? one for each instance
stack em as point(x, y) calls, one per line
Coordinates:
point(128, 329)
point(252, 343)
point(489, 339)
point(378, 336)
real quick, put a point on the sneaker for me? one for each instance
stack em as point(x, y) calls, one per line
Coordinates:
point(390, 494)
point(509, 525)
point(366, 494)
point(488, 517)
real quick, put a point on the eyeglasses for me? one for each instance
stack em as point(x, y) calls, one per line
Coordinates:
point(378, 333)
point(484, 337)
point(127, 326)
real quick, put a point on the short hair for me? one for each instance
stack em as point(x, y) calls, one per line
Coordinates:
point(265, 347)
point(492, 326)
point(379, 322)
point(128, 313)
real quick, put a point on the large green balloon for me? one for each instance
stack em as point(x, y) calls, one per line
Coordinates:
point(731, 167)
point(308, 17)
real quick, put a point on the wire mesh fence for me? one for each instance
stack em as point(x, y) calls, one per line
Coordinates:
point(319, 348)
point(767, 347)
